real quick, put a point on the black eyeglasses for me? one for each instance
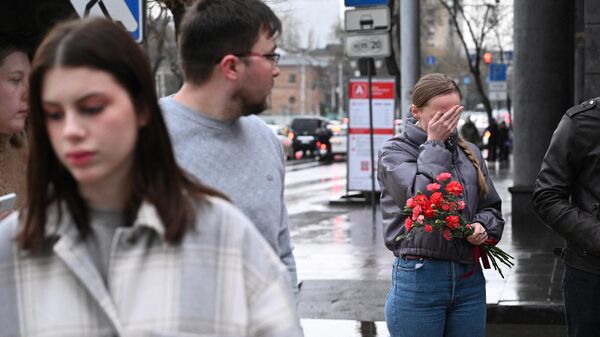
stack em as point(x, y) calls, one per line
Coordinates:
point(273, 57)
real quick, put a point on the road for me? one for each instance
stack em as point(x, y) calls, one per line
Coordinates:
point(337, 250)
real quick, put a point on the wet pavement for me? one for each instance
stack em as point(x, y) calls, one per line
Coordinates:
point(345, 268)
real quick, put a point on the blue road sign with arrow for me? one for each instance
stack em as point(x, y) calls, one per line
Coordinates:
point(128, 13)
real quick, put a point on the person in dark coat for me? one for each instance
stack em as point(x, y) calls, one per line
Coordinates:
point(504, 142)
point(567, 200)
point(470, 133)
point(493, 140)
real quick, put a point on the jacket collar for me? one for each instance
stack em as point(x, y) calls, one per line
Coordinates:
point(147, 216)
point(413, 132)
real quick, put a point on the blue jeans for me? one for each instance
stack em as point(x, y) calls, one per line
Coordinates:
point(429, 297)
point(581, 291)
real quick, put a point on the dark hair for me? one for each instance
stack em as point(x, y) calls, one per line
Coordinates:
point(432, 85)
point(102, 45)
point(10, 44)
point(212, 29)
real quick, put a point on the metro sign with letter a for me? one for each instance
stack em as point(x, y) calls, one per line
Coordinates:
point(128, 13)
point(359, 90)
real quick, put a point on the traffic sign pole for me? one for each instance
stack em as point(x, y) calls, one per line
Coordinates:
point(372, 141)
point(370, 39)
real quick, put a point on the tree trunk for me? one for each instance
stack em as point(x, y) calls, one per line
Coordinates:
point(484, 98)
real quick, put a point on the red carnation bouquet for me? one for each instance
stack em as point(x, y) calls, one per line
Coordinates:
point(441, 211)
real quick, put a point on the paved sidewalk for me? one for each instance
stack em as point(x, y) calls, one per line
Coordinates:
point(345, 269)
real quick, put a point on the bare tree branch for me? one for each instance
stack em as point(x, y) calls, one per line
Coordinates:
point(478, 30)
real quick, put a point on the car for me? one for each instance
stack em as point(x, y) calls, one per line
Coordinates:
point(285, 139)
point(311, 136)
point(339, 140)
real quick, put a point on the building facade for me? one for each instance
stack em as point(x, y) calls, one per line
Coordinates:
point(296, 90)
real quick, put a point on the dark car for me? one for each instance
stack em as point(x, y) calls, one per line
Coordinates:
point(311, 136)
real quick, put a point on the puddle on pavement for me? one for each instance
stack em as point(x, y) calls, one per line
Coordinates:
point(343, 328)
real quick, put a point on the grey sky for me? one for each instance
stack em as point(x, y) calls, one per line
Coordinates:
point(317, 15)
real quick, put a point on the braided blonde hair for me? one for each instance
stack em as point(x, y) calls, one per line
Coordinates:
point(432, 85)
point(481, 182)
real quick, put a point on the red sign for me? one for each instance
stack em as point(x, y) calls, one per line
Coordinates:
point(359, 90)
point(366, 131)
point(381, 90)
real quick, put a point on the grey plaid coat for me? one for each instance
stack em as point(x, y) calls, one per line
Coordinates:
point(222, 280)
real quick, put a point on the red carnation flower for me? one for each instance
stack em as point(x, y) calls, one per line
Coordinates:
point(436, 198)
point(454, 187)
point(428, 228)
point(421, 199)
point(433, 187)
point(408, 224)
point(429, 212)
point(444, 176)
point(452, 221)
point(416, 211)
point(447, 235)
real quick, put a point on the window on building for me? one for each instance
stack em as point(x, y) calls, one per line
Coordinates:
point(292, 78)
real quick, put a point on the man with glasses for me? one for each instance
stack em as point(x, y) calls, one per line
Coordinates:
point(227, 53)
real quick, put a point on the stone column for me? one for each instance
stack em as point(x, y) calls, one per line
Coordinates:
point(592, 48)
point(579, 75)
point(410, 53)
point(543, 78)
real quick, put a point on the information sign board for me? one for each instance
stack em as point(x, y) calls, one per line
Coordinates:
point(359, 141)
point(360, 19)
point(367, 45)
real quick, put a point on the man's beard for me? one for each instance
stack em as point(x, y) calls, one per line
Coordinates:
point(250, 106)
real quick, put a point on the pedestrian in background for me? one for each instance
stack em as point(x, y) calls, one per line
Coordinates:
point(470, 133)
point(493, 144)
point(227, 53)
point(115, 239)
point(430, 294)
point(567, 199)
point(14, 87)
point(504, 141)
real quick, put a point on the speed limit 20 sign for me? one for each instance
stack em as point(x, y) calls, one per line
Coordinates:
point(367, 45)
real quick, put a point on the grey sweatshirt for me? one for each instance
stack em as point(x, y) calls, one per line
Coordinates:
point(244, 160)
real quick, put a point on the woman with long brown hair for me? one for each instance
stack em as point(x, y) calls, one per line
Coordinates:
point(433, 293)
point(115, 238)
